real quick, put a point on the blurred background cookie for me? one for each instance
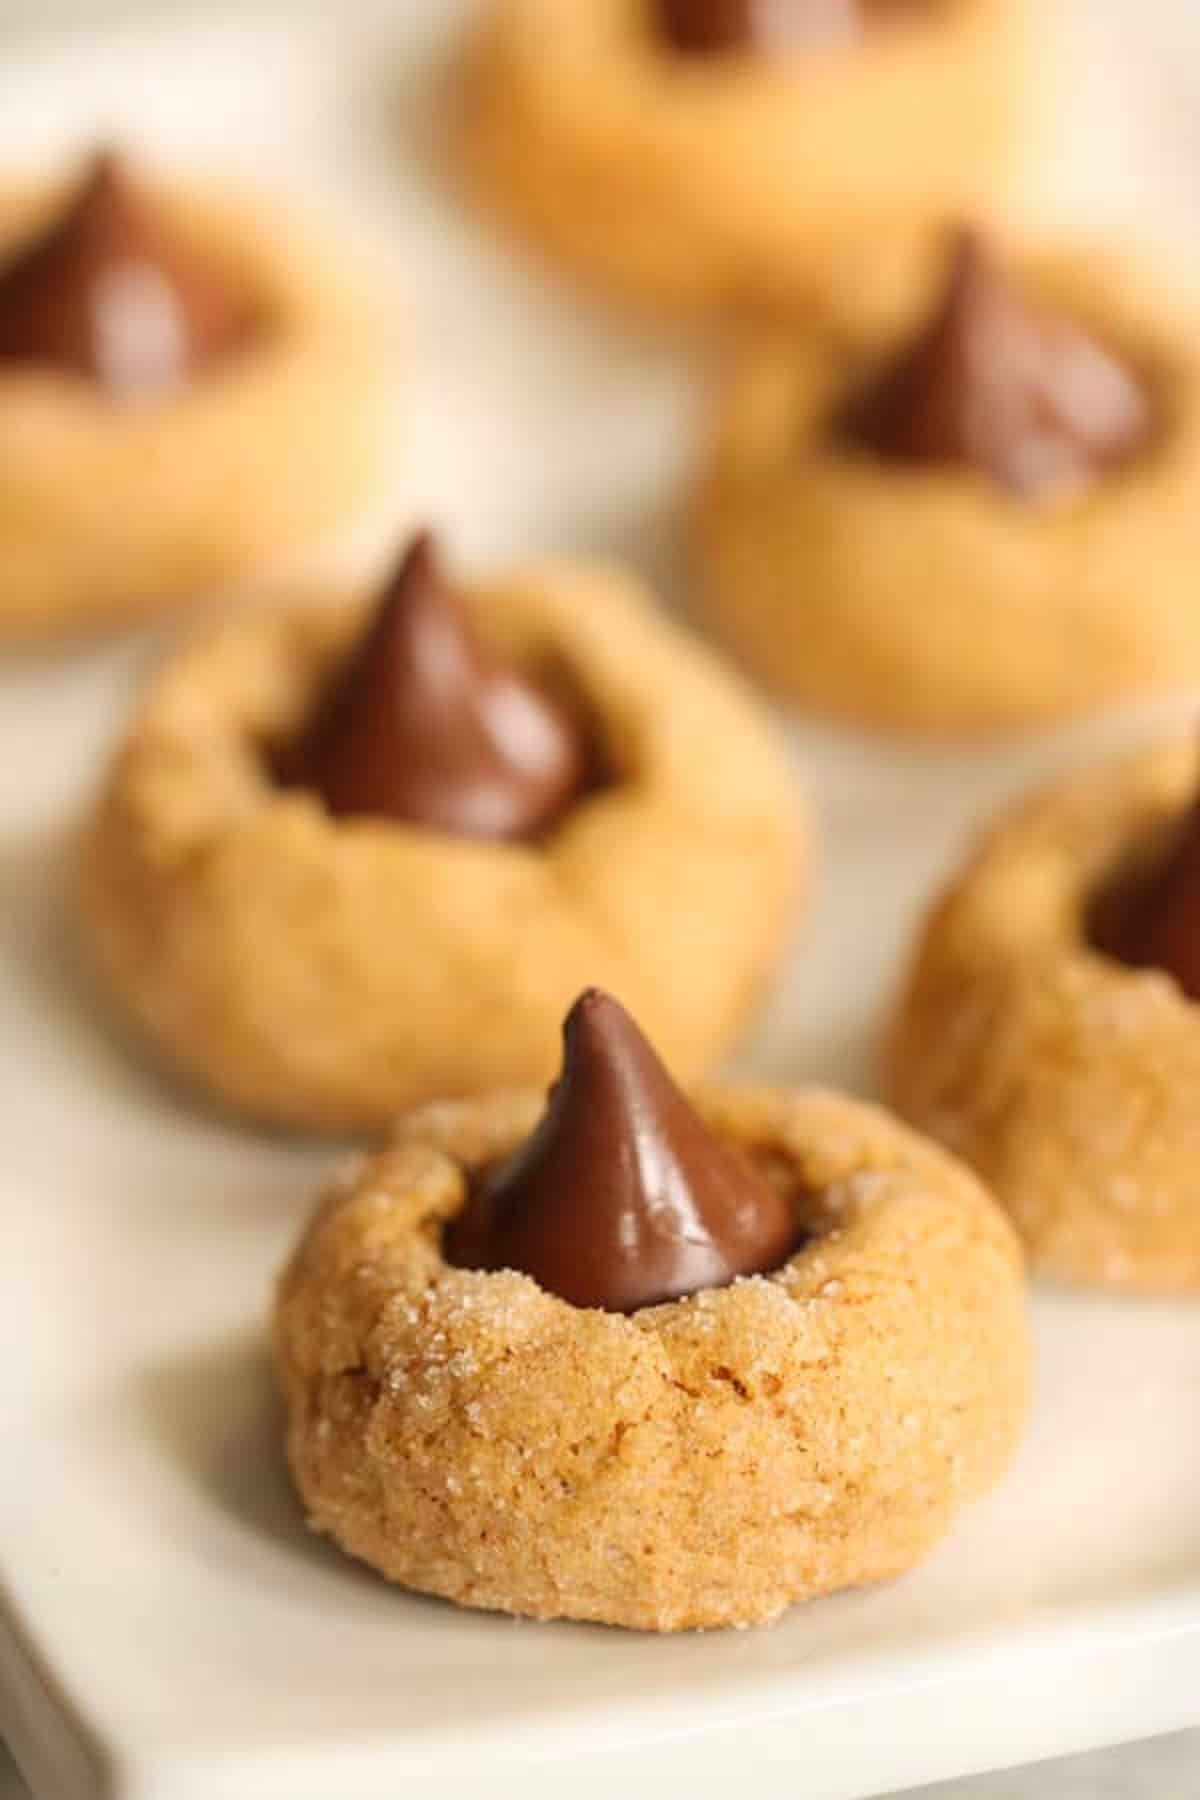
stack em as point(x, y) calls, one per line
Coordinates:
point(698, 155)
point(351, 859)
point(191, 388)
point(1049, 1032)
point(979, 520)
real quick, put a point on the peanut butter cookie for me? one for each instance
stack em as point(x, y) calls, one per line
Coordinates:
point(339, 870)
point(696, 157)
point(188, 391)
point(761, 1348)
point(978, 521)
point(1050, 1031)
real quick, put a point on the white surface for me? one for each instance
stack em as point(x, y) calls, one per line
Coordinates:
point(1163, 1768)
point(173, 1630)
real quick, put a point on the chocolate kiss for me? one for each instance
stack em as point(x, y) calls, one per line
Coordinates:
point(993, 385)
point(109, 293)
point(425, 726)
point(769, 25)
point(1151, 919)
point(622, 1198)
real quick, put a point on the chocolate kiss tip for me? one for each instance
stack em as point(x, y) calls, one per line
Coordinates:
point(420, 563)
point(992, 383)
point(622, 1198)
point(417, 581)
point(592, 1005)
point(968, 259)
point(426, 727)
point(109, 293)
point(105, 171)
point(599, 1030)
point(106, 201)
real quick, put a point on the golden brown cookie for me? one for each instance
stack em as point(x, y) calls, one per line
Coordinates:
point(1066, 1079)
point(326, 972)
point(932, 598)
point(706, 1462)
point(703, 182)
point(114, 506)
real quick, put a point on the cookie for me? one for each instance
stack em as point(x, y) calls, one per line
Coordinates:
point(189, 390)
point(706, 1461)
point(873, 553)
point(1061, 1073)
point(323, 966)
point(758, 176)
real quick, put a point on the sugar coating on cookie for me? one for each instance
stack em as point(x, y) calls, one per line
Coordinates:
point(703, 1463)
point(1064, 1077)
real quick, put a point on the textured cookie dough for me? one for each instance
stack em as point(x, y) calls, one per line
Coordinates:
point(933, 600)
point(327, 974)
point(114, 510)
point(1067, 1080)
point(700, 182)
point(703, 1463)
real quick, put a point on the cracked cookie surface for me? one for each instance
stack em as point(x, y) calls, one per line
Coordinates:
point(702, 1463)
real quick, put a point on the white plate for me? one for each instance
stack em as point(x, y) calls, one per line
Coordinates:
point(169, 1629)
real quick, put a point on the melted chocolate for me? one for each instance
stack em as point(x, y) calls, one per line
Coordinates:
point(994, 385)
point(110, 293)
point(622, 1197)
point(1149, 918)
point(425, 726)
point(771, 26)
